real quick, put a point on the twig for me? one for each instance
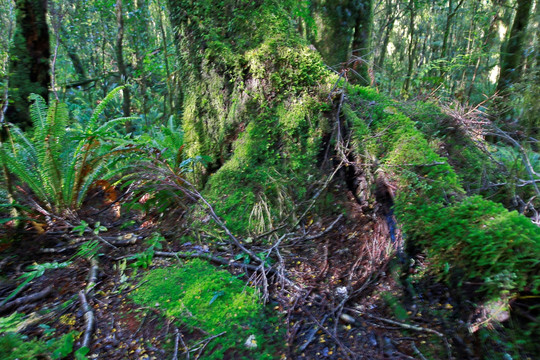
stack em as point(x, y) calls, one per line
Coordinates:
point(347, 352)
point(186, 349)
point(311, 335)
point(397, 323)
point(205, 342)
point(175, 355)
point(417, 352)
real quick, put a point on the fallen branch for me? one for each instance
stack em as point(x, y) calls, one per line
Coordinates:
point(89, 317)
point(205, 343)
point(27, 299)
point(92, 277)
point(397, 323)
point(89, 320)
point(177, 340)
point(347, 352)
point(417, 352)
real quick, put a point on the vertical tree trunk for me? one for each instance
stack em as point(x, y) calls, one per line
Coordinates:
point(448, 25)
point(391, 19)
point(412, 46)
point(126, 107)
point(360, 42)
point(512, 52)
point(29, 59)
point(335, 20)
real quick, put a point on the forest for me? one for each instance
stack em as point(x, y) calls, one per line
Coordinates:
point(269, 179)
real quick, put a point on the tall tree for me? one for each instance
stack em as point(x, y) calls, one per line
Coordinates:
point(29, 59)
point(512, 52)
point(122, 69)
point(343, 28)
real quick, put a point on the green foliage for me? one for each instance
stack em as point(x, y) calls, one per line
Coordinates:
point(10, 323)
point(59, 161)
point(213, 300)
point(18, 347)
point(35, 272)
point(144, 259)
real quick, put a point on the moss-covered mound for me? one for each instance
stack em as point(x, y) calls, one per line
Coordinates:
point(469, 236)
point(254, 99)
point(216, 302)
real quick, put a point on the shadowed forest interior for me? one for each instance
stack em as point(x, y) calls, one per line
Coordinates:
point(269, 179)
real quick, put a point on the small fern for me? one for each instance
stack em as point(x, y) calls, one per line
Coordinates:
point(57, 162)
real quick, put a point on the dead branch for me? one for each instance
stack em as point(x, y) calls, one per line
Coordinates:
point(205, 343)
point(27, 299)
point(397, 323)
point(177, 340)
point(89, 320)
point(417, 352)
point(311, 335)
point(92, 277)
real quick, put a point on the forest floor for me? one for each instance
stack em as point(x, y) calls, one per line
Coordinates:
point(353, 304)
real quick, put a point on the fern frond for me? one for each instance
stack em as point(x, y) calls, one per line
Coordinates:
point(102, 130)
point(38, 112)
point(26, 175)
point(101, 107)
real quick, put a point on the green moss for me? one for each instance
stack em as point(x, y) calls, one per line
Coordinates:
point(478, 238)
point(470, 236)
point(254, 98)
point(214, 301)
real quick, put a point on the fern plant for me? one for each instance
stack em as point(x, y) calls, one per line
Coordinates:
point(161, 168)
point(56, 162)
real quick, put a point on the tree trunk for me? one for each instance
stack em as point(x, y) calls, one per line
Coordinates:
point(512, 54)
point(126, 106)
point(389, 26)
point(412, 46)
point(360, 42)
point(29, 59)
point(335, 28)
point(253, 94)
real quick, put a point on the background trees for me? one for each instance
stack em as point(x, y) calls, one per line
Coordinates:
point(29, 63)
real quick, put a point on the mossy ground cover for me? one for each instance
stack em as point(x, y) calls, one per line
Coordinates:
point(202, 297)
point(466, 239)
point(460, 233)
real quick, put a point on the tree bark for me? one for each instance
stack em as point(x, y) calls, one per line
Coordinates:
point(412, 46)
point(512, 52)
point(360, 42)
point(340, 24)
point(29, 60)
point(126, 106)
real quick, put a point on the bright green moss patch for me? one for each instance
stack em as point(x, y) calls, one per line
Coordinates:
point(203, 297)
